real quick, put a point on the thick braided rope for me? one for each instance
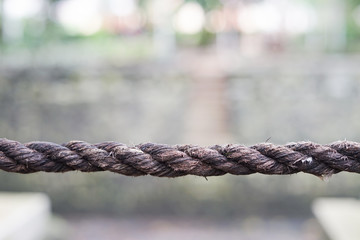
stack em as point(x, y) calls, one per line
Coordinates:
point(173, 161)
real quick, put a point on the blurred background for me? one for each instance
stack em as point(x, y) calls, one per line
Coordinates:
point(180, 71)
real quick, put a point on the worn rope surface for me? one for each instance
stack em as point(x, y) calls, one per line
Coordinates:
point(173, 161)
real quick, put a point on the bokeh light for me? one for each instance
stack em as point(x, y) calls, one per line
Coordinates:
point(80, 16)
point(19, 9)
point(190, 18)
point(260, 17)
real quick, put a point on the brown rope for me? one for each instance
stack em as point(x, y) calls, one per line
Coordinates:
point(173, 161)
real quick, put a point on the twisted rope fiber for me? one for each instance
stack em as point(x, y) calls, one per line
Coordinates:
point(173, 161)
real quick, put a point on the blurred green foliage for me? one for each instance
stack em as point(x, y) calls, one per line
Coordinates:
point(353, 29)
point(207, 4)
point(53, 32)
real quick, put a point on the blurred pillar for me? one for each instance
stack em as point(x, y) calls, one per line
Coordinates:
point(24, 215)
point(1, 21)
point(340, 217)
point(164, 41)
point(333, 24)
point(48, 14)
point(161, 13)
point(207, 112)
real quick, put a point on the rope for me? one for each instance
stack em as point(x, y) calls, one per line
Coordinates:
point(173, 161)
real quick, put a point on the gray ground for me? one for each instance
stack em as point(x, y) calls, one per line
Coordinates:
point(161, 228)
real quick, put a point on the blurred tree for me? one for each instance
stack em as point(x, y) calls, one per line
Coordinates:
point(207, 4)
point(353, 29)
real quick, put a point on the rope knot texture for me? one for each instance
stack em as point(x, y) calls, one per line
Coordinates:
point(163, 160)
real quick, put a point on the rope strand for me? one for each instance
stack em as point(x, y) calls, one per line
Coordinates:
point(162, 160)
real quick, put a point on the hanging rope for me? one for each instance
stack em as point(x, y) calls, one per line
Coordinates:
point(173, 161)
